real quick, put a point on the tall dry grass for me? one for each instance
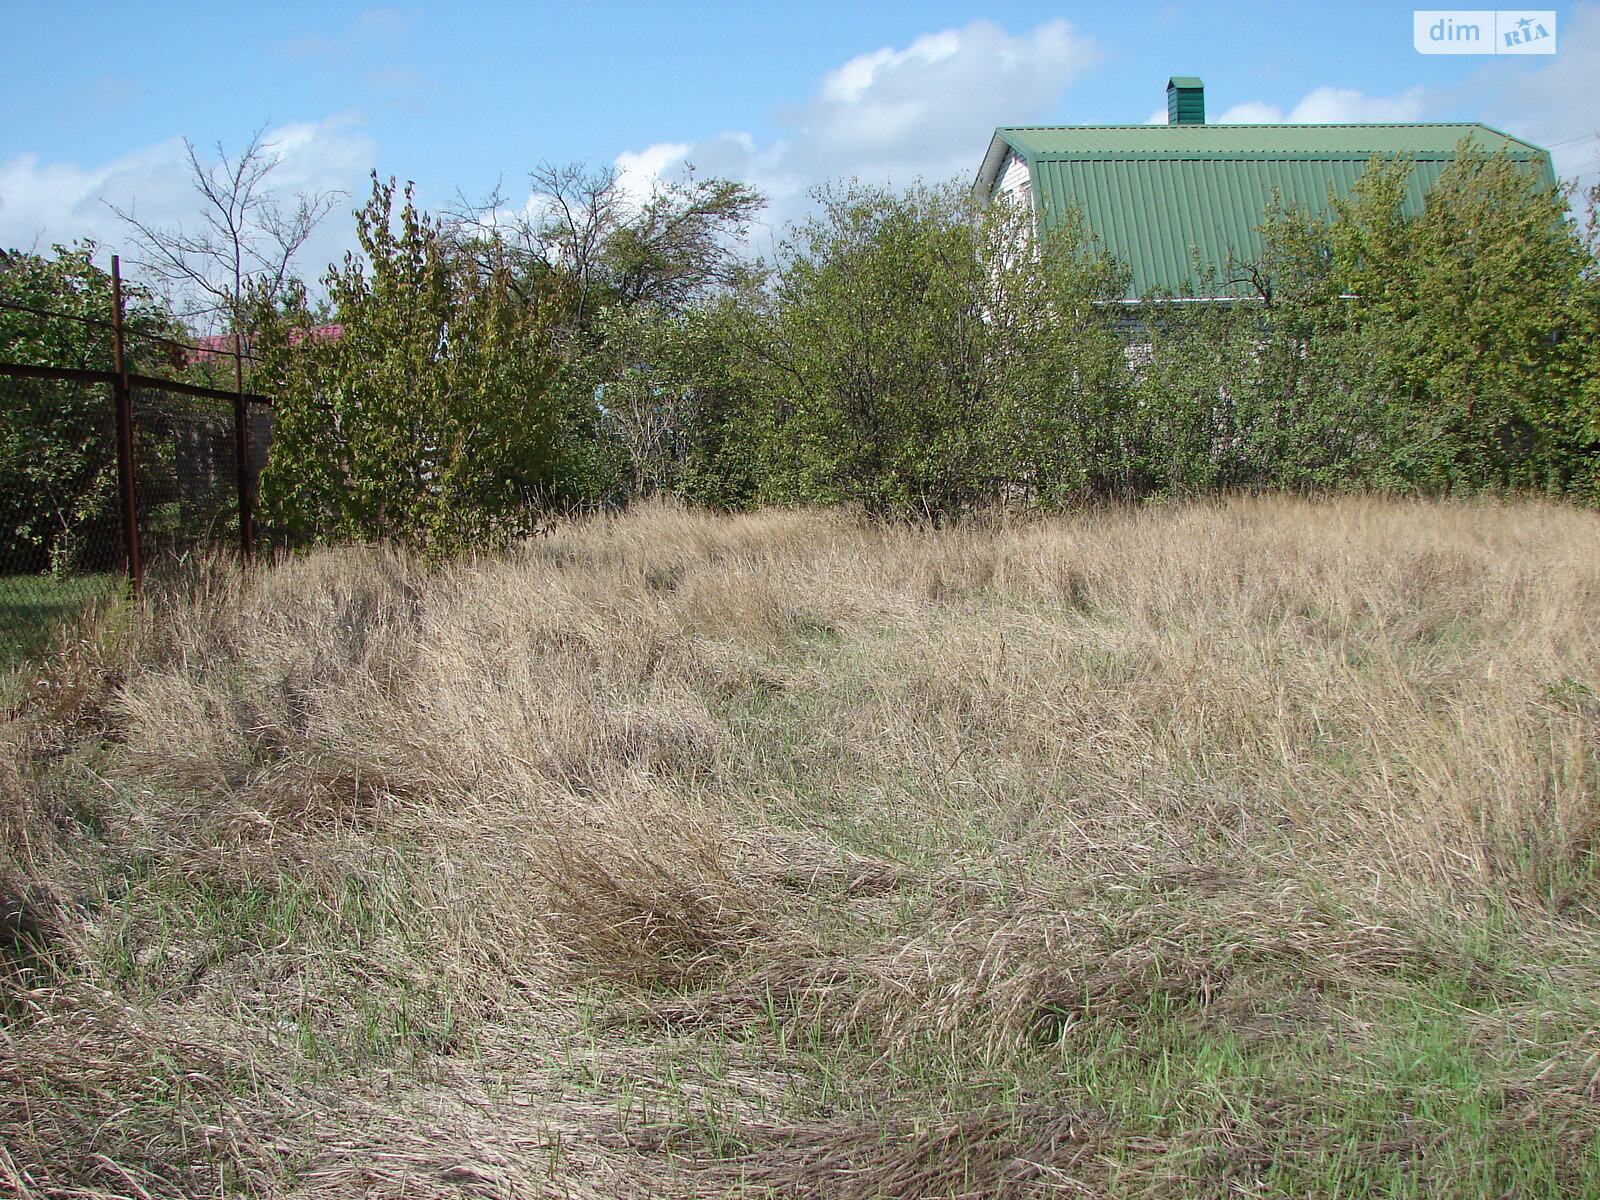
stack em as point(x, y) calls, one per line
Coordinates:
point(1245, 848)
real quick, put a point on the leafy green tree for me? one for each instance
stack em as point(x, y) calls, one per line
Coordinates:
point(920, 353)
point(633, 274)
point(1253, 395)
point(1443, 350)
point(1472, 315)
point(674, 400)
point(1586, 404)
point(429, 418)
point(1057, 364)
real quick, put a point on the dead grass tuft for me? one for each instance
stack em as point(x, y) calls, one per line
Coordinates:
point(96, 1100)
point(995, 1153)
point(632, 905)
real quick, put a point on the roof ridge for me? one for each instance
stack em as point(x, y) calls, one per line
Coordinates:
point(1263, 125)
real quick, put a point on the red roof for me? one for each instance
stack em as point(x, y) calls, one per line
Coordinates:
point(218, 345)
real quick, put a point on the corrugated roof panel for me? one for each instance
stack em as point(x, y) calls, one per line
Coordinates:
point(1153, 207)
point(1154, 214)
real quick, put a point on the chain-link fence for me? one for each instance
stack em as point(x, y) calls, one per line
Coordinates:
point(61, 542)
point(186, 469)
point(105, 474)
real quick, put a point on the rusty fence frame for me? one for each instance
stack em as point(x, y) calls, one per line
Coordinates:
point(122, 382)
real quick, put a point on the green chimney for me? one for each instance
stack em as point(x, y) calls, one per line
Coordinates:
point(1186, 101)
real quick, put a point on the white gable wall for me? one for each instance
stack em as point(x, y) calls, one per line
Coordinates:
point(1013, 178)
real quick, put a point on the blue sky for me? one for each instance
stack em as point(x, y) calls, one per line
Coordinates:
point(458, 96)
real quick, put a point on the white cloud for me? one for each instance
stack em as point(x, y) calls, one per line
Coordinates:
point(62, 202)
point(47, 202)
point(1340, 106)
point(1330, 106)
point(321, 155)
point(846, 85)
point(1251, 112)
point(894, 115)
point(637, 173)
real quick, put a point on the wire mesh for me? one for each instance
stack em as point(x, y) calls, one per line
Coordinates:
point(185, 474)
point(61, 537)
point(60, 530)
point(259, 422)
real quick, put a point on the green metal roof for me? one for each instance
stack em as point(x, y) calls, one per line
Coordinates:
point(1156, 194)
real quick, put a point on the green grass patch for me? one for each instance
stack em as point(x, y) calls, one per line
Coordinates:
point(333, 974)
point(32, 607)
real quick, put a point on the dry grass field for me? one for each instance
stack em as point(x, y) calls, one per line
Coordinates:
point(1247, 849)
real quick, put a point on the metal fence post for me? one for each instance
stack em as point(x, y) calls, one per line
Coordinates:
point(122, 397)
point(241, 448)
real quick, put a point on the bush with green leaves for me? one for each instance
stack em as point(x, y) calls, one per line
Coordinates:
point(1446, 351)
point(429, 418)
point(1475, 315)
point(1241, 396)
point(672, 398)
point(917, 353)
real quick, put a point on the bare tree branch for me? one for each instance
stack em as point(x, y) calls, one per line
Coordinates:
point(610, 248)
point(247, 238)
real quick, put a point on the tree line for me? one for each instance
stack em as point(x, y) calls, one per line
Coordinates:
point(914, 353)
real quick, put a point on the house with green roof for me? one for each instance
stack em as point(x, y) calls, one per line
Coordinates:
point(1159, 196)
